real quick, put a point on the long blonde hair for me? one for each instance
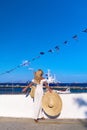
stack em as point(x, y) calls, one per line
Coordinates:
point(38, 76)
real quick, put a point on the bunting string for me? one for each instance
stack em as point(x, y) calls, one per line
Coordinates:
point(52, 50)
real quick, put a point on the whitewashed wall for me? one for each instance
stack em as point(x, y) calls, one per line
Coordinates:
point(74, 106)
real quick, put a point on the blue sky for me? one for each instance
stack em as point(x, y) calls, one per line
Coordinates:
point(28, 27)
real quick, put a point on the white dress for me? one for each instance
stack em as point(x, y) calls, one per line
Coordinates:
point(38, 113)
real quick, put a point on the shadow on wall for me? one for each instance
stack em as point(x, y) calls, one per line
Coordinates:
point(82, 103)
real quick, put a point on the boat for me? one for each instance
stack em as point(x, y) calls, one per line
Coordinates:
point(50, 77)
point(66, 91)
point(52, 80)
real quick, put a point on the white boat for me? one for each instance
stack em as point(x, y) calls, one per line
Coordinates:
point(66, 91)
point(50, 78)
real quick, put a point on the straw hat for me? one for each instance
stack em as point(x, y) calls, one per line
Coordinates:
point(32, 92)
point(51, 103)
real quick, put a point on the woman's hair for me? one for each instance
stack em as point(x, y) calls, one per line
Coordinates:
point(38, 75)
point(40, 71)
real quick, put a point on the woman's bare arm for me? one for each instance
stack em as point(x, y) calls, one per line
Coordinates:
point(46, 85)
point(28, 86)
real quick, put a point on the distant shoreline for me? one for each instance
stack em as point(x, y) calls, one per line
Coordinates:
point(16, 88)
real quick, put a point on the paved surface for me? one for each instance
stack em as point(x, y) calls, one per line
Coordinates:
point(48, 124)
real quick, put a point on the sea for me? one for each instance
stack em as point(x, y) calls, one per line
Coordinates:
point(16, 88)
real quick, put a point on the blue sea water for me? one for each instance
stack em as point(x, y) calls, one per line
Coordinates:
point(16, 88)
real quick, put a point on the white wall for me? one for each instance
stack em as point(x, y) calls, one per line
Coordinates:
point(74, 106)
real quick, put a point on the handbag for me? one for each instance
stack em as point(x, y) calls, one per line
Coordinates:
point(32, 91)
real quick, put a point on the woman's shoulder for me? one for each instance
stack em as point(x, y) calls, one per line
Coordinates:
point(43, 79)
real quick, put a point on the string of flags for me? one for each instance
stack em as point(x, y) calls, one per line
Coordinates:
point(55, 49)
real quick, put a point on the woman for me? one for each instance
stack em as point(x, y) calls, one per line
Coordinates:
point(39, 82)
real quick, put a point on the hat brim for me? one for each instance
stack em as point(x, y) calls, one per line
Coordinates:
point(51, 103)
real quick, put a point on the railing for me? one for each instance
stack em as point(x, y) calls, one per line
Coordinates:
point(18, 89)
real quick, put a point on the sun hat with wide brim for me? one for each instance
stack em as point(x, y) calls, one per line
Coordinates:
point(32, 92)
point(51, 103)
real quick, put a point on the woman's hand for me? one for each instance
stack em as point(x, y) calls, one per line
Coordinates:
point(24, 89)
point(50, 90)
